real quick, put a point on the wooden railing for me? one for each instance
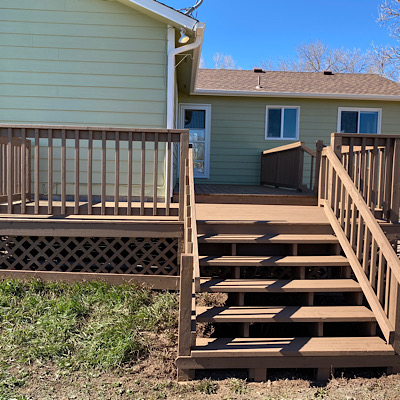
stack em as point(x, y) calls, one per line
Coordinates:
point(190, 269)
point(373, 163)
point(369, 252)
point(11, 163)
point(284, 166)
point(84, 171)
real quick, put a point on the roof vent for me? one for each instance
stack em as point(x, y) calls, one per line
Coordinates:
point(328, 73)
point(258, 70)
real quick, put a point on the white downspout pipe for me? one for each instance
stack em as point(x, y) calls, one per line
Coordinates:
point(172, 52)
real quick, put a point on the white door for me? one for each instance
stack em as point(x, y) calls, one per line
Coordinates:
point(197, 118)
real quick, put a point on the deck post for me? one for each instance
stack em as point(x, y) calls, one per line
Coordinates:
point(336, 144)
point(394, 311)
point(395, 200)
point(319, 147)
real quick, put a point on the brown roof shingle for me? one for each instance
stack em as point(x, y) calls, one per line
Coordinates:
point(296, 82)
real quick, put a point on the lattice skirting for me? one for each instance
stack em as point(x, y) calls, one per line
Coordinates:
point(152, 256)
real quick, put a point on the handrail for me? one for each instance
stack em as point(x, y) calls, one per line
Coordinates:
point(373, 163)
point(368, 250)
point(283, 166)
point(83, 168)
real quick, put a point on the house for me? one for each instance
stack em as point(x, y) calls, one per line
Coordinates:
point(99, 101)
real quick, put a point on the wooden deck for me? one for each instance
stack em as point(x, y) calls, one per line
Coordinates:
point(250, 194)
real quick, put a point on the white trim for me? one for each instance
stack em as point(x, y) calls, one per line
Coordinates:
point(359, 109)
point(207, 109)
point(282, 121)
point(342, 96)
point(162, 12)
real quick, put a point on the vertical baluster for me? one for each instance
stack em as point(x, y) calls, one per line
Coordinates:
point(388, 178)
point(381, 174)
point(312, 173)
point(366, 249)
point(353, 225)
point(63, 171)
point(387, 288)
point(373, 260)
point(143, 174)
point(28, 171)
point(130, 161)
point(363, 167)
point(23, 171)
point(2, 191)
point(343, 211)
point(369, 179)
point(77, 171)
point(155, 181)
point(17, 165)
point(184, 151)
point(90, 173)
point(116, 186)
point(103, 172)
point(50, 172)
point(169, 174)
point(337, 193)
point(360, 237)
point(374, 176)
point(350, 168)
point(37, 172)
point(381, 277)
point(9, 172)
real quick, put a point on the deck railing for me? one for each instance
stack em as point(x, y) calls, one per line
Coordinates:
point(284, 166)
point(13, 159)
point(373, 163)
point(91, 170)
point(369, 252)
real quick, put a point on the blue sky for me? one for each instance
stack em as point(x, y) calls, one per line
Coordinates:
point(256, 30)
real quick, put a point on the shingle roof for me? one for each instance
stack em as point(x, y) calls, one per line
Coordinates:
point(307, 83)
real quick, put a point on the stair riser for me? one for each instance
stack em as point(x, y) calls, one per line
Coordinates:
point(208, 228)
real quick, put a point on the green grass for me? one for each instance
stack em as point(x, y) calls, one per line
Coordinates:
point(82, 326)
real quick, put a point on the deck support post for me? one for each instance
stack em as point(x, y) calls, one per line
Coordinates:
point(258, 374)
point(324, 374)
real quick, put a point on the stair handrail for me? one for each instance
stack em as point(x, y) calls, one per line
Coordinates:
point(372, 258)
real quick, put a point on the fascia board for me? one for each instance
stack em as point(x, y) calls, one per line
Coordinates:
point(238, 93)
point(162, 13)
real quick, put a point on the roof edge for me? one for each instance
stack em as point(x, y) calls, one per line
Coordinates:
point(238, 93)
point(162, 12)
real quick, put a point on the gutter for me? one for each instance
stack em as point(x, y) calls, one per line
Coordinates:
point(215, 92)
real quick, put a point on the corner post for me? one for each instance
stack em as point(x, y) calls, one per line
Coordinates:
point(395, 198)
point(319, 147)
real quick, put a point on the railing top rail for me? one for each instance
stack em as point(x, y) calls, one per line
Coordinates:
point(57, 132)
point(365, 213)
point(365, 135)
point(291, 146)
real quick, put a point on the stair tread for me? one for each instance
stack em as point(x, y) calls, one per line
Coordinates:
point(277, 238)
point(297, 346)
point(285, 314)
point(259, 261)
point(279, 286)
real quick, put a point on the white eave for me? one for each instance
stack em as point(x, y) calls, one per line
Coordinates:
point(243, 93)
point(162, 13)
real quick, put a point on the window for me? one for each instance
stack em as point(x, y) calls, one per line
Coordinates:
point(362, 120)
point(197, 118)
point(282, 123)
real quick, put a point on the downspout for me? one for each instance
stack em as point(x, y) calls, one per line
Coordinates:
point(172, 52)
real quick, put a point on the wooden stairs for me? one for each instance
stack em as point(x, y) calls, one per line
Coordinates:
point(292, 301)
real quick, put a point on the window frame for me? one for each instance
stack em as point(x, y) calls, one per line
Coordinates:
point(360, 109)
point(207, 108)
point(282, 122)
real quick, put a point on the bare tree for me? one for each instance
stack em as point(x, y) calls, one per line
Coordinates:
point(389, 15)
point(224, 61)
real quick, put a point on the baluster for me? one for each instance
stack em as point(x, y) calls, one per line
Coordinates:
point(63, 171)
point(374, 176)
point(373, 260)
point(130, 160)
point(388, 178)
point(50, 172)
point(9, 172)
point(23, 171)
point(116, 184)
point(363, 167)
point(366, 249)
point(395, 200)
point(37, 172)
point(90, 173)
point(103, 172)
point(360, 237)
point(381, 277)
point(169, 175)
point(76, 208)
point(143, 174)
point(155, 183)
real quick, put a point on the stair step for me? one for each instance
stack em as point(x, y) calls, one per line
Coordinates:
point(274, 261)
point(279, 286)
point(299, 346)
point(268, 239)
point(285, 314)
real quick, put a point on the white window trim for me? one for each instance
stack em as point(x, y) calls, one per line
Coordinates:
point(207, 108)
point(339, 119)
point(282, 121)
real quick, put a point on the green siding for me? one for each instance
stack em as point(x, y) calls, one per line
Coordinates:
point(89, 62)
point(238, 130)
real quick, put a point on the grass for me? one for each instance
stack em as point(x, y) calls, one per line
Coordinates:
point(89, 341)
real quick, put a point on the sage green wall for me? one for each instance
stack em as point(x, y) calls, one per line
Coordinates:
point(83, 62)
point(238, 130)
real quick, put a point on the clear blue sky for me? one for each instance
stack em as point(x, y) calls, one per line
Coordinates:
point(256, 30)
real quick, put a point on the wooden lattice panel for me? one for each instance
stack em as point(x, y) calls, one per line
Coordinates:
point(148, 256)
